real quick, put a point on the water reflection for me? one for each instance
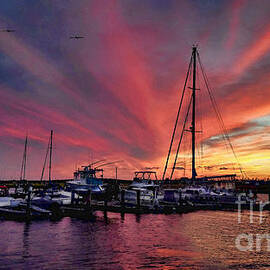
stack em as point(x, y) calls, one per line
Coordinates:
point(201, 240)
point(26, 229)
point(138, 218)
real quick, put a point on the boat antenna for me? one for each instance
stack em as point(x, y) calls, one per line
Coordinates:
point(109, 163)
point(50, 164)
point(22, 175)
point(93, 163)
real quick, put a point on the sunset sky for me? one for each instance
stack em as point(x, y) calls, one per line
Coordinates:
point(114, 94)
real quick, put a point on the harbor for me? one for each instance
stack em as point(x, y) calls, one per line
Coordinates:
point(88, 192)
point(153, 197)
point(135, 135)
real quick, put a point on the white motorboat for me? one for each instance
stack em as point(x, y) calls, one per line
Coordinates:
point(86, 179)
point(148, 189)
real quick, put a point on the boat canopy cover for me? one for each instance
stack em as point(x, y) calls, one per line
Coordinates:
point(94, 181)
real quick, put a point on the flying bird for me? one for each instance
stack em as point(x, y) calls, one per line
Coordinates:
point(76, 37)
point(8, 30)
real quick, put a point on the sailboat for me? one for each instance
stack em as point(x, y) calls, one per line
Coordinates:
point(20, 191)
point(197, 190)
point(52, 197)
point(21, 186)
point(19, 206)
point(191, 111)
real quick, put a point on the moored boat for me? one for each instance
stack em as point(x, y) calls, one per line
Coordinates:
point(24, 211)
point(87, 179)
point(142, 187)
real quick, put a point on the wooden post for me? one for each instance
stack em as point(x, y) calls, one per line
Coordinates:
point(105, 209)
point(88, 204)
point(138, 198)
point(72, 196)
point(88, 199)
point(180, 196)
point(105, 202)
point(28, 202)
point(123, 198)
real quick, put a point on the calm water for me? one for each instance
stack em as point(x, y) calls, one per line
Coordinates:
point(201, 240)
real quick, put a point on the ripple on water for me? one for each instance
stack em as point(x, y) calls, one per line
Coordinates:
point(200, 240)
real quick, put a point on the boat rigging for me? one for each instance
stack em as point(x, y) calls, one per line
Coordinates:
point(192, 72)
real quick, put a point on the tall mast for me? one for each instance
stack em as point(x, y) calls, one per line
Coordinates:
point(50, 164)
point(45, 161)
point(193, 124)
point(25, 155)
point(22, 176)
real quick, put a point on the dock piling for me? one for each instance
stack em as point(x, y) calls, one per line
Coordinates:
point(138, 198)
point(72, 196)
point(28, 201)
point(123, 198)
point(88, 199)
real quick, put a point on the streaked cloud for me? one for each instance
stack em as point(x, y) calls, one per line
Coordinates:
point(114, 94)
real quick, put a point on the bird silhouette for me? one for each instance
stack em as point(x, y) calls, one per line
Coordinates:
point(75, 37)
point(8, 30)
